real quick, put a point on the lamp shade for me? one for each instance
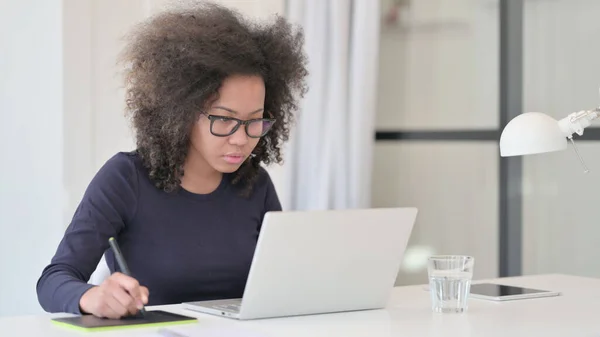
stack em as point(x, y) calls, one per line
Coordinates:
point(530, 133)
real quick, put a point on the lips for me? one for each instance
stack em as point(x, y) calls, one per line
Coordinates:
point(236, 158)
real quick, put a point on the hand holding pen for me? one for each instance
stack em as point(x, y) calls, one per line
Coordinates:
point(118, 296)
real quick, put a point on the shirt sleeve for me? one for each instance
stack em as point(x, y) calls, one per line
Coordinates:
point(108, 203)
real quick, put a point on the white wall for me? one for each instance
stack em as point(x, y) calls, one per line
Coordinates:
point(439, 66)
point(31, 147)
point(561, 75)
point(439, 71)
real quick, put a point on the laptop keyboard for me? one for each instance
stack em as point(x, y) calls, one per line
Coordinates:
point(235, 307)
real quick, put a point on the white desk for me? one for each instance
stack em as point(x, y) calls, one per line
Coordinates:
point(575, 313)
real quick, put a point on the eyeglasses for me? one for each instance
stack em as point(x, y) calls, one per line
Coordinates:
point(222, 126)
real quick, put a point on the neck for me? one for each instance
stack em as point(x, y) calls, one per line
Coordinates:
point(198, 176)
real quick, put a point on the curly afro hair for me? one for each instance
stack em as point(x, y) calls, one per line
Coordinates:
point(175, 64)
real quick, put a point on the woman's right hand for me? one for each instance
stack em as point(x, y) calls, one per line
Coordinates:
point(118, 296)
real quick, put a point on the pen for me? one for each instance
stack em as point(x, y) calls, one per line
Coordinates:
point(121, 261)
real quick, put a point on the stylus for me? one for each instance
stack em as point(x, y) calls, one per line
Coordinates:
point(121, 261)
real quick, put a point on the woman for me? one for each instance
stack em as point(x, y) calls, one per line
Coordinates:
point(211, 97)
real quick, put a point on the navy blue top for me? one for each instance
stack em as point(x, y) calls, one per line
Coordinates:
point(182, 246)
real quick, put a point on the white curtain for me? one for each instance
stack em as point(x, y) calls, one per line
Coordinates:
point(329, 157)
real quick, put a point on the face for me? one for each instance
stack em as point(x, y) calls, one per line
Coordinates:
point(240, 97)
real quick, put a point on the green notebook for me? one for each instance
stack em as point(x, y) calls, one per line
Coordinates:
point(150, 319)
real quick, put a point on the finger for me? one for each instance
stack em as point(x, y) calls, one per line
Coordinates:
point(118, 309)
point(130, 284)
point(125, 299)
point(145, 294)
point(107, 311)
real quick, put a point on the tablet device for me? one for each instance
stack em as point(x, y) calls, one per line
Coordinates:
point(500, 292)
point(151, 318)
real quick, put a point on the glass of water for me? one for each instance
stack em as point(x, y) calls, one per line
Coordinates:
point(450, 282)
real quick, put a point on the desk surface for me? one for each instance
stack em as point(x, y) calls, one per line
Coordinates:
point(575, 313)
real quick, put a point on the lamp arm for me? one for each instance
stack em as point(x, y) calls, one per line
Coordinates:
point(577, 121)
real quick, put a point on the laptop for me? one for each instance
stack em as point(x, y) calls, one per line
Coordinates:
point(315, 262)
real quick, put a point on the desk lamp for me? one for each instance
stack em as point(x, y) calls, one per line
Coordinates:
point(536, 132)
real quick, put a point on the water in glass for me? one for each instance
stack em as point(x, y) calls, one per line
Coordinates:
point(449, 291)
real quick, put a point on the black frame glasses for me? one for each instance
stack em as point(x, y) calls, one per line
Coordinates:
point(239, 122)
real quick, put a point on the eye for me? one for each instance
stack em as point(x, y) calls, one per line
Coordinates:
point(221, 118)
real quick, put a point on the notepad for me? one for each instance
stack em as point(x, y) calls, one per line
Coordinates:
point(152, 318)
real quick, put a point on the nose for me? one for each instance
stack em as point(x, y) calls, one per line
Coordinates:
point(239, 137)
